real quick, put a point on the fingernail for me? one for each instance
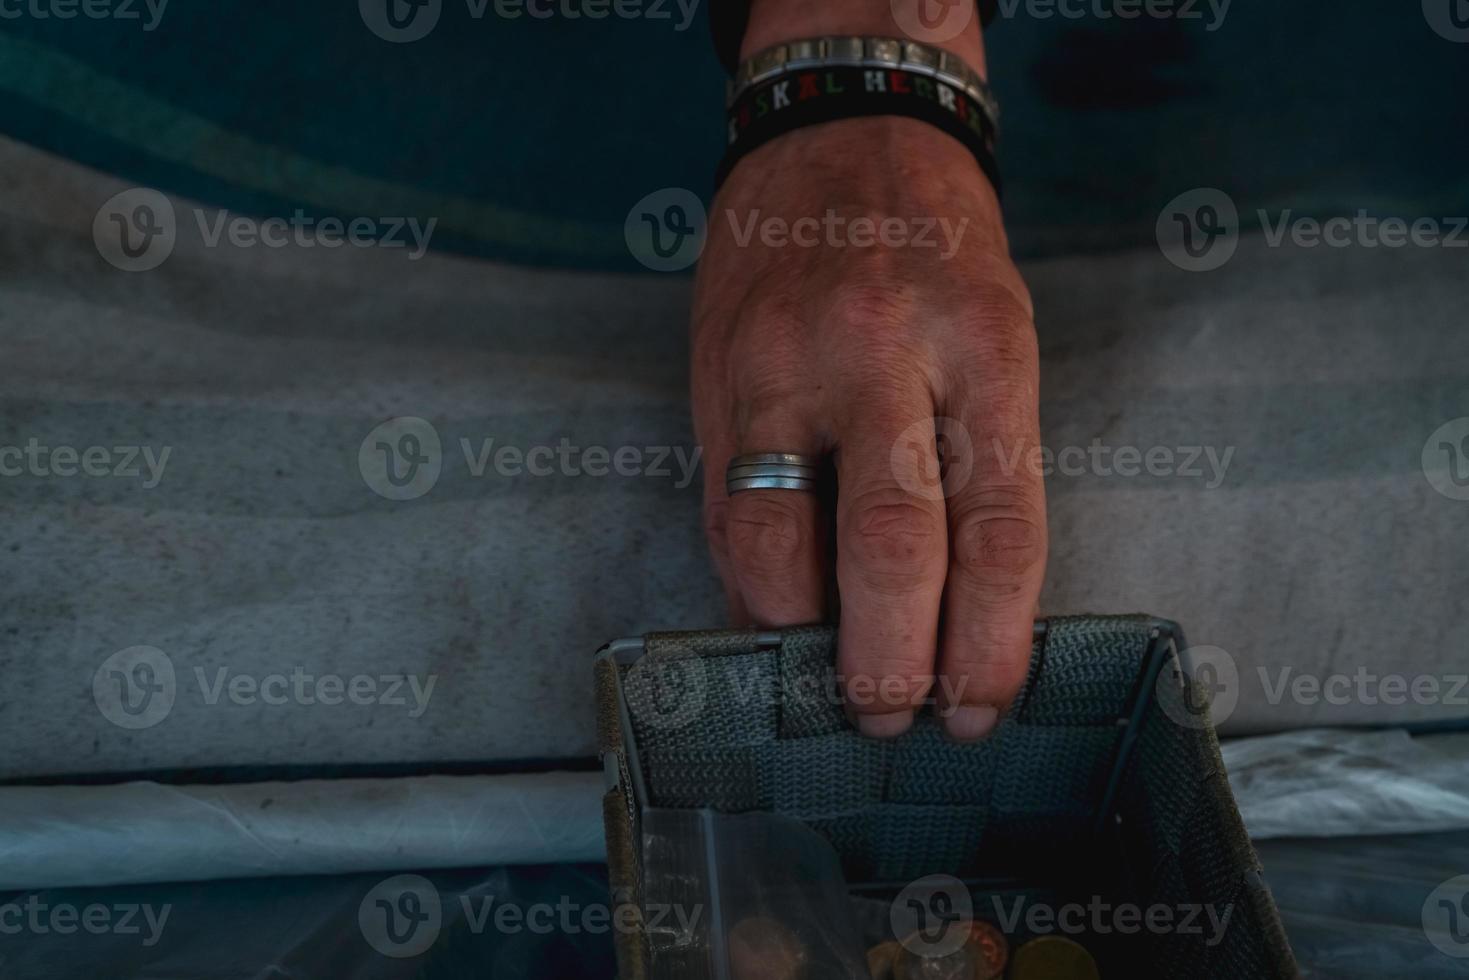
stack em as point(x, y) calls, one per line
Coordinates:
point(885, 726)
point(970, 722)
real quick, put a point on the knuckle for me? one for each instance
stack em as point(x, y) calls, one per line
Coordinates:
point(1000, 541)
point(1000, 351)
point(766, 531)
point(894, 538)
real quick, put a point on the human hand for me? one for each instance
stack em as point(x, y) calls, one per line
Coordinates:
point(850, 349)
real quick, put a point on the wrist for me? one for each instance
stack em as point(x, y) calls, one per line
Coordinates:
point(775, 22)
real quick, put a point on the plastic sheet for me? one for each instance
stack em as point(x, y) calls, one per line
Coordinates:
point(139, 832)
point(521, 923)
point(1330, 783)
point(753, 896)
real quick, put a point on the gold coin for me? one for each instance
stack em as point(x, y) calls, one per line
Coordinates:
point(1053, 958)
point(882, 960)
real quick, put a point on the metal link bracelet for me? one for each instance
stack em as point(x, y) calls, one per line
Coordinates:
point(863, 52)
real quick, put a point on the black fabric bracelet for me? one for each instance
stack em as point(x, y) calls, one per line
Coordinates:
point(729, 18)
point(805, 97)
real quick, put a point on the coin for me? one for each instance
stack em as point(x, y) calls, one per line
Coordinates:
point(1053, 958)
point(991, 948)
point(958, 965)
point(760, 948)
point(982, 957)
point(882, 960)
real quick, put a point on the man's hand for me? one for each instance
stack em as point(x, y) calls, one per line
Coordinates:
point(853, 347)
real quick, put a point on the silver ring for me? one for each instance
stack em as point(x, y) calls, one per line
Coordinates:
point(772, 471)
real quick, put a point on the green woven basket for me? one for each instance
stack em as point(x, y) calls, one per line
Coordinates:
point(1092, 785)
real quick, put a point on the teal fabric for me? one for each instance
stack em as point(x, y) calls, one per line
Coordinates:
point(530, 139)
